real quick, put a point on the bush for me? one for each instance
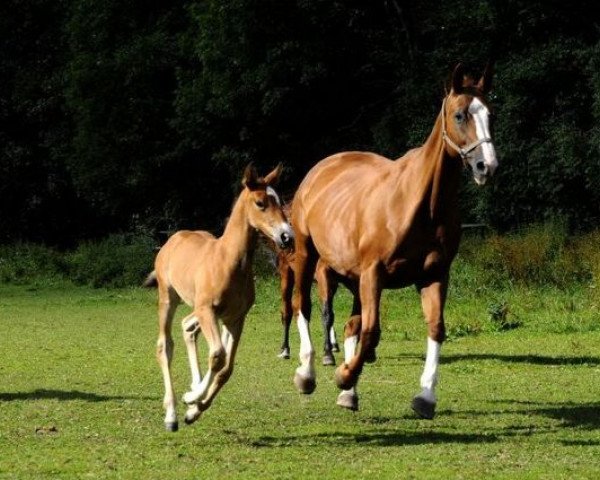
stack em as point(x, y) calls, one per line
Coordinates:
point(29, 263)
point(117, 261)
point(540, 255)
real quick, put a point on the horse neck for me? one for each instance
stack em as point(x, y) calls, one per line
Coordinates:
point(239, 239)
point(435, 174)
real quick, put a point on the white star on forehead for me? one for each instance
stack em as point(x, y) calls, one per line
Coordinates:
point(272, 193)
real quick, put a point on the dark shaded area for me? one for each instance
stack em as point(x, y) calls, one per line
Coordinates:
point(65, 395)
point(140, 116)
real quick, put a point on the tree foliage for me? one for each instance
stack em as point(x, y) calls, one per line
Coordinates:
point(123, 115)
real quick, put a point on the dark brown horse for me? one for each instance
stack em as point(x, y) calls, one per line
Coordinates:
point(389, 224)
point(327, 286)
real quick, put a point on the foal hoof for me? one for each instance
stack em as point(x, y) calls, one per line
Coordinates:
point(343, 380)
point(423, 408)
point(284, 354)
point(193, 413)
point(328, 360)
point(171, 426)
point(348, 399)
point(305, 385)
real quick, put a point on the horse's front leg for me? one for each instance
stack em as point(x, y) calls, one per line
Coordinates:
point(346, 375)
point(304, 270)
point(230, 339)
point(216, 355)
point(433, 298)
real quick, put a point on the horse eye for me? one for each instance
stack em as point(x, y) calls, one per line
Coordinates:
point(260, 204)
point(459, 117)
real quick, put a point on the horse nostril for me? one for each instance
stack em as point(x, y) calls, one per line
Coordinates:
point(480, 166)
point(285, 239)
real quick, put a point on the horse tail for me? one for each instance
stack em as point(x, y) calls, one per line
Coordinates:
point(150, 280)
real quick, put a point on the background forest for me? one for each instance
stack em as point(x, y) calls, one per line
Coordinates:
point(128, 116)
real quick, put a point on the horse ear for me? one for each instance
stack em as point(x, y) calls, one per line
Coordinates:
point(458, 77)
point(485, 82)
point(250, 178)
point(273, 177)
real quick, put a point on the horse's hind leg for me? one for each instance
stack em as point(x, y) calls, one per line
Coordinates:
point(286, 288)
point(433, 297)
point(167, 304)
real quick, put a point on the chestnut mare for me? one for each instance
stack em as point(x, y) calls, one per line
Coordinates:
point(389, 224)
point(214, 276)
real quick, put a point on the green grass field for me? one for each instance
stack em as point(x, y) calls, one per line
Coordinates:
point(81, 392)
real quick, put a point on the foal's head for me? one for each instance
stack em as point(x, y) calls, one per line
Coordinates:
point(466, 123)
point(263, 206)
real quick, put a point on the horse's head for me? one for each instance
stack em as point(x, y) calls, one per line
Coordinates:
point(263, 206)
point(466, 123)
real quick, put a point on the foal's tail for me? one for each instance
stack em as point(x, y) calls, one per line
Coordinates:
point(150, 280)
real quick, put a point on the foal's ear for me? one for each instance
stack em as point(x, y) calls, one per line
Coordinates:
point(250, 178)
point(458, 77)
point(273, 177)
point(485, 82)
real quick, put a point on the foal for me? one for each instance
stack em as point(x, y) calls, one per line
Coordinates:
point(214, 276)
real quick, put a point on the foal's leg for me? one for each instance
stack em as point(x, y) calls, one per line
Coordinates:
point(304, 269)
point(231, 339)
point(327, 287)
point(286, 276)
point(167, 304)
point(191, 329)
point(433, 297)
point(346, 375)
point(216, 354)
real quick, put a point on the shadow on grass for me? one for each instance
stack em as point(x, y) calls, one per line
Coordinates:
point(530, 359)
point(377, 438)
point(582, 416)
point(65, 395)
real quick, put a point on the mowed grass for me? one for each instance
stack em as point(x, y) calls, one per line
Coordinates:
point(81, 393)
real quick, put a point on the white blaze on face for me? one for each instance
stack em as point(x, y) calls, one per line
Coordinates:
point(481, 117)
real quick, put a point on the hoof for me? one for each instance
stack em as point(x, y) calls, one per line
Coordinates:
point(304, 384)
point(370, 356)
point(284, 354)
point(335, 348)
point(349, 400)
point(328, 360)
point(423, 408)
point(341, 381)
point(192, 415)
point(171, 426)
